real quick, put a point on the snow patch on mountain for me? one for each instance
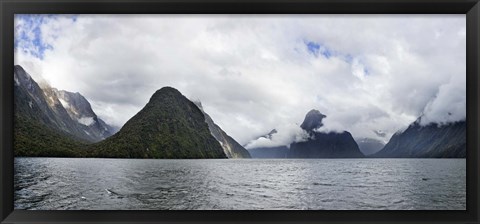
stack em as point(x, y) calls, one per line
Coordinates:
point(87, 121)
point(64, 103)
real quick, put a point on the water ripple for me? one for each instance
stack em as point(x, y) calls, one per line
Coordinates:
point(338, 184)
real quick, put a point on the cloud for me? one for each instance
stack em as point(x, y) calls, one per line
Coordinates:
point(34, 34)
point(286, 134)
point(448, 105)
point(254, 73)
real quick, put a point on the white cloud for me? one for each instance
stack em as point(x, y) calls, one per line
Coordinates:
point(448, 105)
point(286, 134)
point(255, 73)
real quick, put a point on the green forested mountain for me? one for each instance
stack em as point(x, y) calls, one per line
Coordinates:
point(38, 130)
point(49, 122)
point(31, 138)
point(169, 126)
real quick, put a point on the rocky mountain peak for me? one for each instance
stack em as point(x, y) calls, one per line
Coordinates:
point(22, 78)
point(64, 111)
point(76, 104)
point(271, 133)
point(313, 120)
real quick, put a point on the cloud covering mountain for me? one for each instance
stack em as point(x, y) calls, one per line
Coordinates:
point(369, 73)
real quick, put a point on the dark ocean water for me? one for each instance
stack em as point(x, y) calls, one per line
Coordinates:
point(352, 184)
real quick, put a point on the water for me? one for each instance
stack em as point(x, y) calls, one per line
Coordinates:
point(353, 184)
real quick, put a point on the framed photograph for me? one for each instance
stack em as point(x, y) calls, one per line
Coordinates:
point(239, 111)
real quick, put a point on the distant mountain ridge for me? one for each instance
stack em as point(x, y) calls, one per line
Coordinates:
point(317, 145)
point(369, 146)
point(323, 145)
point(270, 152)
point(429, 141)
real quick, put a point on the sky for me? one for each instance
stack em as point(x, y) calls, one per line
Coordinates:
point(371, 75)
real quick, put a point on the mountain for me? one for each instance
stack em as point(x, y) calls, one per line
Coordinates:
point(41, 126)
point(269, 152)
point(31, 101)
point(323, 145)
point(48, 106)
point(369, 146)
point(80, 110)
point(270, 134)
point(231, 148)
point(169, 126)
point(429, 141)
point(312, 121)
point(34, 139)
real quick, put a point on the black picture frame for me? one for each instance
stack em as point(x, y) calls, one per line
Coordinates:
point(10, 7)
